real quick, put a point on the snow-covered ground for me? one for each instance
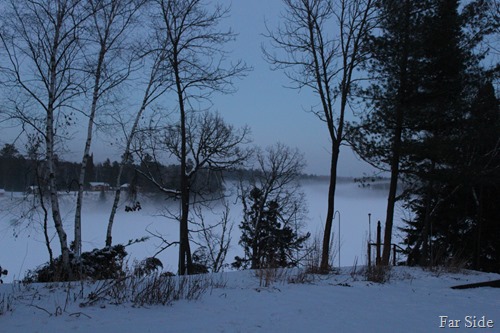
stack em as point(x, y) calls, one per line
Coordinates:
point(412, 301)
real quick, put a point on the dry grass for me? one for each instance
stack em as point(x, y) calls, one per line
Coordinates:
point(378, 274)
point(270, 276)
point(312, 259)
point(6, 304)
point(153, 289)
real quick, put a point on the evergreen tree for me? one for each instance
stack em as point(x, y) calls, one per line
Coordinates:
point(484, 171)
point(90, 170)
point(447, 155)
point(106, 174)
point(458, 220)
point(268, 241)
point(437, 121)
point(385, 134)
point(425, 73)
point(13, 169)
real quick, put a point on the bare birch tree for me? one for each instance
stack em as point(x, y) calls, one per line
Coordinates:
point(41, 40)
point(314, 57)
point(154, 53)
point(108, 64)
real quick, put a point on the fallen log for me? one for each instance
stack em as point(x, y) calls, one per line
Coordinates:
point(493, 284)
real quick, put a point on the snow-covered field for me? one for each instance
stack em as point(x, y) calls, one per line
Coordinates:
point(412, 301)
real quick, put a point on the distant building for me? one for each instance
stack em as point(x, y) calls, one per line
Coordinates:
point(99, 186)
point(130, 189)
point(2, 192)
point(32, 189)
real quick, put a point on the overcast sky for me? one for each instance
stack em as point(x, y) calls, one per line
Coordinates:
point(274, 113)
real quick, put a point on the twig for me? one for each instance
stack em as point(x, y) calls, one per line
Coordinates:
point(40, 308)
point(78, 314)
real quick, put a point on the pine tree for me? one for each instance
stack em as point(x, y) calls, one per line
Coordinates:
point(445, 156)
point(12, 169)
point(482, 153)
point(425, 74)
point(458, 220)
point(385, 135)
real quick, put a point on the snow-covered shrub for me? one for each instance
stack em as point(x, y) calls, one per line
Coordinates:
point(200, 261)
point(2, 272)
point(97, 264)
point(106, 263)
point(147, 266)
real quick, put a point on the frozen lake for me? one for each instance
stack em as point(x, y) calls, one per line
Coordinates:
point(23, 246)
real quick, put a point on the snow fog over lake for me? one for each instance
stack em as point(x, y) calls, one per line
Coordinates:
point(21, 232)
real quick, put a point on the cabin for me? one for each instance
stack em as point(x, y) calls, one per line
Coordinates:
point(99, 186)
point(2, 192)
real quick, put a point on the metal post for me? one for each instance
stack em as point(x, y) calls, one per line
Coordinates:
point(369, 239)
point(369, 227)
point(335, 214)
point(339, 240)
point(377, 261)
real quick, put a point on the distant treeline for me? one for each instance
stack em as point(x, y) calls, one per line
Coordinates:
point(19, 173)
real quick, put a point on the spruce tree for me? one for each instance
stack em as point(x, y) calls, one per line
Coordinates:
point(268, 240)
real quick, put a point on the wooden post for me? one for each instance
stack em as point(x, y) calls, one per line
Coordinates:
point(377, 260)
point(369, 254)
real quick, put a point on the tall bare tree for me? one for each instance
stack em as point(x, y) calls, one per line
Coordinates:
point(154, 54)
point(314, 57)
point(108, 64)
point(211, 147)
point(198, 62)
point(41, 40)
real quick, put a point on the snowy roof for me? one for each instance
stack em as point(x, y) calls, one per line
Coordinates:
point(98, 184)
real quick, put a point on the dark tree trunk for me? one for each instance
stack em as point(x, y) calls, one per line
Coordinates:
point(184, 250)
point(397, 139)
point(324, 267)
